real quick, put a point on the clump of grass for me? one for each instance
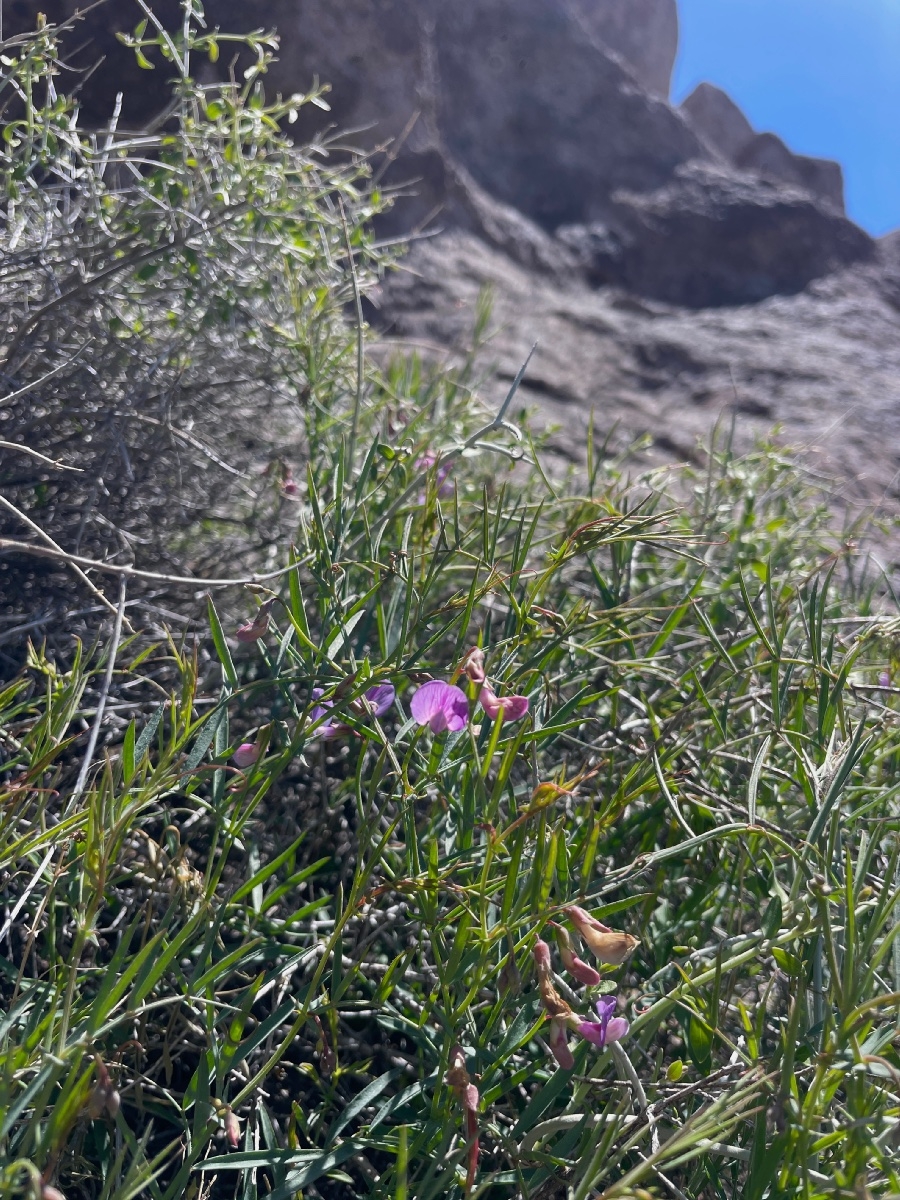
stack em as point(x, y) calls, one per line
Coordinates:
point(310, 969)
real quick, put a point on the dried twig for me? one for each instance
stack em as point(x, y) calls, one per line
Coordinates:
point(78, 560)
point(51, 462)
point(52, 550)
point(104, 693)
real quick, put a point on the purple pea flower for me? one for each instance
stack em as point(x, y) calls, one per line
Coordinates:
point(600, 1033)
point(512, 708)
point(330, 728)
point(608, 1029)
point(440, 706)
point(884, 680)
point(375, 703)
point(378, 699)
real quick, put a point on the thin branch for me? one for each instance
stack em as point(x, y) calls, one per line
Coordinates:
point(51, 462)
point(104, 694)
point(51, 550)
point(78, 560)
point(29, 387)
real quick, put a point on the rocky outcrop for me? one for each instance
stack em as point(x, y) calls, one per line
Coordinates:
point(643, 32)
point(718, 119)
point(768, 156)
point(540, 115)
point(714, 237)
point(721, 123)
point(516, 119)
point(542, 118)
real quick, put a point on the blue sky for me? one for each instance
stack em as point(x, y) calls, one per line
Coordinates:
point(823, 74)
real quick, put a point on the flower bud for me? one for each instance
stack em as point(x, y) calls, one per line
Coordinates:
point(96, 1104)
point(253, 630)
point(473, 665)
point(232, 1128)
point(558, 1041)
point(246, 755)
point(541, 954)
point(511, 708)
point(576, 967)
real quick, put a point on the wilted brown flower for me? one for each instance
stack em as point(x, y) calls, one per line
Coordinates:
point(607, 945)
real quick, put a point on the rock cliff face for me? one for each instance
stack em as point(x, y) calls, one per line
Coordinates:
point(544, 119)
point(643, 32)
point(552, 108)
point(711, 236)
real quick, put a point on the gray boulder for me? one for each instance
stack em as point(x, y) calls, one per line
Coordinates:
point(724, 127)
point(824, 365)
point(715, 237)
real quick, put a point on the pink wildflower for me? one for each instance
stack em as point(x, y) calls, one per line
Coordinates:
point(440, 706)
point(246, 755)
point(608, 1029)
point(574, 965)
point(600, 1033)
point(375, 702)
point(252, 631)
point(511, 708)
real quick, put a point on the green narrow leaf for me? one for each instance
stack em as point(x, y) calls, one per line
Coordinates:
point(358, 1103)
point(753, 786)
point(221, 645)
point(128, 753)
point(148, 733)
